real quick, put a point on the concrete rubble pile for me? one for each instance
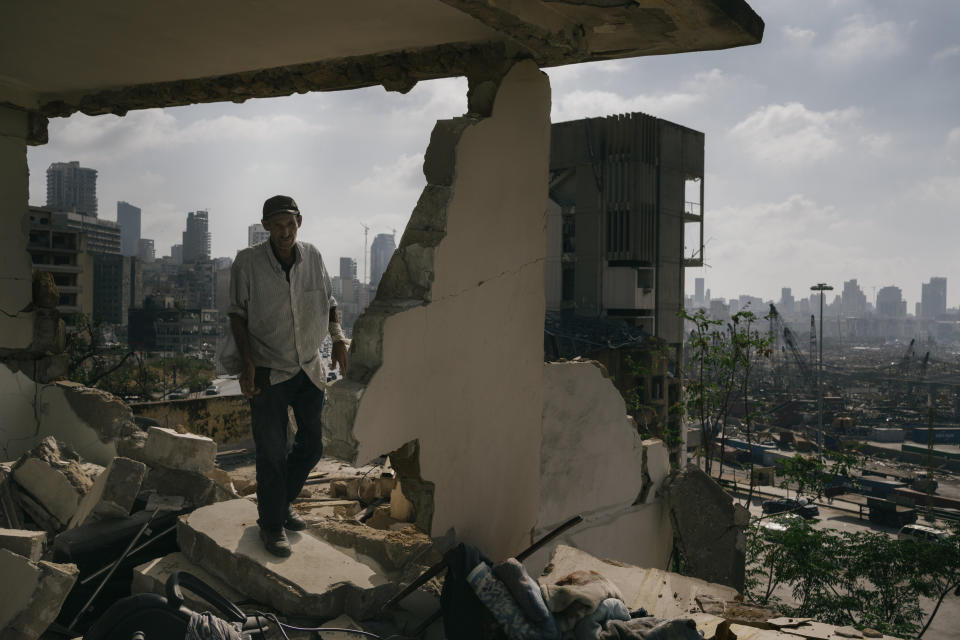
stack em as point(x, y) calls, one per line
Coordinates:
point(63, 519)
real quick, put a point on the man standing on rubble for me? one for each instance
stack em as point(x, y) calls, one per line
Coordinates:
point(281, 309)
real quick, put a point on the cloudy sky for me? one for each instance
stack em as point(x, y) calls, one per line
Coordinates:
point(833, 150)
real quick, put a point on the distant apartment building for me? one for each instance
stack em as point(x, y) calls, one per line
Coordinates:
point(786, 304)
point(128, 217)
point(117, 287)
point(171, 329)
point(196, 237)
point(381, 251)
point(853, 302)
point(103, 236)
point(624, 219)
point(933, 298)
point(698, 296)
point(256, 234)
point(146, 251)
point(890, 302)
point(176, 254)
point(624, 192)
point(71, 187)
point(348, 281)
point(62, 253)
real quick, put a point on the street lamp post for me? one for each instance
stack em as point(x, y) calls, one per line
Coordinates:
point(821, 287)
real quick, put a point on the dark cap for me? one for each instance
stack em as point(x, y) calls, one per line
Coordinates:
point(279, 204)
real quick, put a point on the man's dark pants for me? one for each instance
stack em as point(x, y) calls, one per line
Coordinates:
point(281, 475)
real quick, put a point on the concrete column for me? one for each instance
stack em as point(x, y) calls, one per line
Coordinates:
point(16, 325)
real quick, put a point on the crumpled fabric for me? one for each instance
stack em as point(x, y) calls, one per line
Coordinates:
point(206, 626)
point(590, 627)
point(576, 595)
point(526, 593)
point(498, 601)
point(651, 629)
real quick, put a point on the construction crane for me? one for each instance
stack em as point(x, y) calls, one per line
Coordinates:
point(790, 340)
point(366, 231)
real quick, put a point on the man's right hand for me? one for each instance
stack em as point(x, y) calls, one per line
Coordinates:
point(247, 386)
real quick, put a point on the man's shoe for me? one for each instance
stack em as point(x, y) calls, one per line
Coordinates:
point(294, 522)
point(275, 541)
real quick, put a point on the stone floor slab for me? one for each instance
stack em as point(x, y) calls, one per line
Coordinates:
point(317, 580)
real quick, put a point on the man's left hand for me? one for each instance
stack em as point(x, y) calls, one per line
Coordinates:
point(340, 357)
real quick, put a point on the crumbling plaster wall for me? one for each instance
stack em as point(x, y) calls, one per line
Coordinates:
point(89, 420)
point(16, 320)
point(593, 463)
point(450, 352)
point(225, 419)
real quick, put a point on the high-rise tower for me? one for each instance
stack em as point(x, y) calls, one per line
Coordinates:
point(128, 217)
point(380, 253)
point(71, 187)
point(196, 238)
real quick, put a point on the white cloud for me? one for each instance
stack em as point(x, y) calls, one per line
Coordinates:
point(876, 143)
point(862, 38)
point(799, 36)
point(141, 131)
point(949, 52)
point(403, 178)
point(953, 138)
point(792, 135)
point(588, 104)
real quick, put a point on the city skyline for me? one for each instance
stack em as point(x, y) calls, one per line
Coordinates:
point(833, 149)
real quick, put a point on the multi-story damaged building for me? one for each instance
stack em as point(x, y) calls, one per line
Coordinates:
point(490, 443)
point(624, 192)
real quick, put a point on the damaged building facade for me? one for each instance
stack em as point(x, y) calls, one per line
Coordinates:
point(624, 218)
point(491, 445)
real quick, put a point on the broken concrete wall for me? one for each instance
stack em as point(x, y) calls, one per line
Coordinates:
point(16, 318)
point(88, 419)
point(225, 419)
point(593, 463)
point(450, 352)
point(709, 527)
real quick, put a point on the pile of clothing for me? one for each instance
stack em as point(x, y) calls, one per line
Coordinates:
point(482, 600)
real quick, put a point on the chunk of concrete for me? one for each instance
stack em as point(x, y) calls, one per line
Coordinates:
point(53, 476)
point(661, 593)
point(151, 577)
point(317, 580)
point(113, 492)
point(41, 587)
point(656, 468)
point(184, 451)
point(591, 456)
point(196, 488)
point(394, 551)
point(27, 543)
point(708, 526)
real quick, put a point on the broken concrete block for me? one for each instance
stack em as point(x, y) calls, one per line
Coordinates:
point(24, 542)
point(318, 580)
point(392, 550)
point(184, 451)
point(401, 509)
point(41, 587)
point(53, 476)
point(591, 457)
point(164, 503)
point(113, 492)
point(708, 526)
point(195, 487)
point(661, 593)
point(656, 468)
point(151, 577)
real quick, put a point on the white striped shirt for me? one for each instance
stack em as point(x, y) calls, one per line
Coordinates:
point(286, 321)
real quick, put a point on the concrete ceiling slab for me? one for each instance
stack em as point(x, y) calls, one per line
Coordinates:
point(100, 56)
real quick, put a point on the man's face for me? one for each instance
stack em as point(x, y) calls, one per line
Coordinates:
point(283, 229)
